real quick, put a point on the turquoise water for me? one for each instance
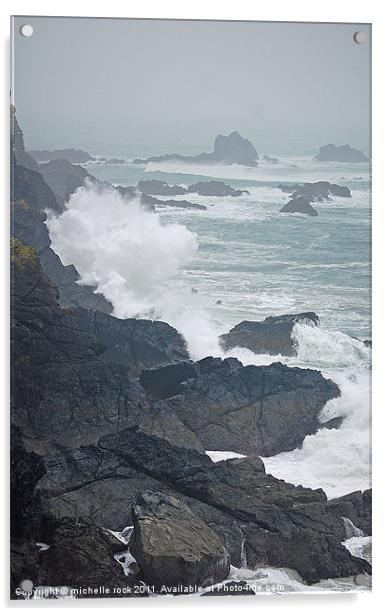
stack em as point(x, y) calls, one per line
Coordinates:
point(259, 262)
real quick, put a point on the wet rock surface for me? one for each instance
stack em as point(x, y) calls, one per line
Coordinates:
point(273, 336)
point(173, 546)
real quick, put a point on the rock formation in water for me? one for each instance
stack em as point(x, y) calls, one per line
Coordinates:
point(273, 336)
point(315, 191)
point(260, 410)
point(341, 153)
point(299, 205)
point(78, 157)
point(229, 150)
point(213, 188)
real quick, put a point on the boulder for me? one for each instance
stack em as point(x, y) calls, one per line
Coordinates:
point(173, 547)
point(299, 205)
point(81, 557)
point(273, 336)
point(341, 153)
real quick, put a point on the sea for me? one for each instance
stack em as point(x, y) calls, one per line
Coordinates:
point(204, 271)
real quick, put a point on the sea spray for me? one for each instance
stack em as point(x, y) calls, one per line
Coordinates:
point(133, 259)
point(337, 460)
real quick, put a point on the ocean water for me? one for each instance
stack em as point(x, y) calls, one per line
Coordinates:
point(242, 252)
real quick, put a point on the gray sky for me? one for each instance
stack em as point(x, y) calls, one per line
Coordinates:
point(145, 86)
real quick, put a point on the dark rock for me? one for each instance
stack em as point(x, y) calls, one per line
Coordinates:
point(299, 549)
point(315, 191)
point(260, 410)
point(17, 145)
point(341, 153)
point(273, 336)
point(184, 204)
point(212, 188)
point(235, 498)
point(29, 186)
point(235, 587)
point(157, 187)
point(357, 507)
point(231, 149)
point(81, 557)
point(28, 225)
point(92, 393)
point(73, 156)
point(30, 197)
point(299, 205)
point(368, 343)
point(166, 381)
point(173, 546)
point(270, 160)
point(64, 178)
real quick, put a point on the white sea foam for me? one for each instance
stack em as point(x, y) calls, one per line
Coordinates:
point(133, 259)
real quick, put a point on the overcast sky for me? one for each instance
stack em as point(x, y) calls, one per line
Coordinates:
point(141, 86)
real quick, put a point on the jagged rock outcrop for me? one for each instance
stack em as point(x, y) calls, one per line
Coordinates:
point(230, 149)
point(273, 336)
point(299, 205)
point(69, 388)
point(213, 188)
point(260, 410)
point(173, 546)
point(357, 507)
point(157, 187)
point(18, 154)
point(341, 153)
point(210, 188)
point(184, 204)
point(235, 498)
point(73, 156)
point(315, 192)
point(64, 178)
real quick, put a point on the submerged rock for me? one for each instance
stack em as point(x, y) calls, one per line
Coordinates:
point(341, 153)
point(273, 336)
point(230, 149)
point(299, 205)
point(173, 546)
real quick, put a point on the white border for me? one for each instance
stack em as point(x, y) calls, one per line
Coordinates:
point(277, 10)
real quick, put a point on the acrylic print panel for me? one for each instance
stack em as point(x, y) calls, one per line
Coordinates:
point(190, 308)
